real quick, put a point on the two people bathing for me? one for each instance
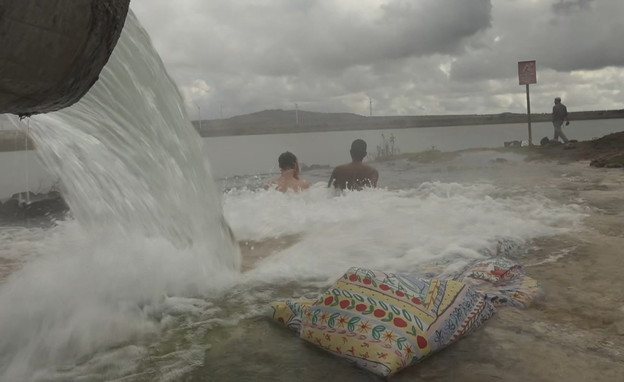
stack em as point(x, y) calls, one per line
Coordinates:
point(358, 175)
point(352, 176)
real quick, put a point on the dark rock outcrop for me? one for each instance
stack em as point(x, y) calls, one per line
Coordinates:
point(29, 205)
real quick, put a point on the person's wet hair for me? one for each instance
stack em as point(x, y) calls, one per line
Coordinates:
point(287, 161)
point(358, 149)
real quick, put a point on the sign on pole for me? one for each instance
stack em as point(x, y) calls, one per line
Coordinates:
point(527, 74)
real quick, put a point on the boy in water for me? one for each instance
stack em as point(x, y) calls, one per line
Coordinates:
point(289, 178)
point(355, 175)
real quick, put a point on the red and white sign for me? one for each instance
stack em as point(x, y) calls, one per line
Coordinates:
point(527, 72)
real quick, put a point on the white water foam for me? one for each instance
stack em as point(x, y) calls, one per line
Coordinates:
point(436, 227)
point(445, 224)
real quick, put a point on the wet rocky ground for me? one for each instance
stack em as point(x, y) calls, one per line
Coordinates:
point(574, 331)
point(607, 151)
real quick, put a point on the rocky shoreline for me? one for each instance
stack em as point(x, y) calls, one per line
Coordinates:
point(607, 151)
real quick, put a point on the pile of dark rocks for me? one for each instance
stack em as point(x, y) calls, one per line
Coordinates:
point(30, 205)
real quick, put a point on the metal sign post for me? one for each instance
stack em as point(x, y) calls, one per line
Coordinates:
point(527, 74)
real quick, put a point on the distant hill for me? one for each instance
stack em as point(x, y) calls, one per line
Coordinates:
point(290, 117)
point(291, 121)
point(278, 121)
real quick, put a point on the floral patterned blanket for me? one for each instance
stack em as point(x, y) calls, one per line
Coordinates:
point(384, 322)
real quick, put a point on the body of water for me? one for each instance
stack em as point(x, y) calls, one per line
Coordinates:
point(257, 154)
point(125, 314)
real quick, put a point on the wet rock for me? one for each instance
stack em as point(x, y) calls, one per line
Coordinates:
point(43, 204)
point(30, 204)
point(612, 161)
point(513, 144)
point(22, 197)
point(600, 162)
point(10, 208)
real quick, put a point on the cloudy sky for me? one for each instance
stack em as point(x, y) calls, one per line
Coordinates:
point(410, 57)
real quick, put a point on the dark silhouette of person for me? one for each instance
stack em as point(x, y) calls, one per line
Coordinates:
point(559, 115)
point(355, 175)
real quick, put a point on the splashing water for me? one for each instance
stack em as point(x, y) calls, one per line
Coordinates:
point(127, 153)
point(142, 283)
point(147, 218)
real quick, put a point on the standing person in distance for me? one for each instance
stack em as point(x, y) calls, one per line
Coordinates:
point(355, 175)
point(559, 115)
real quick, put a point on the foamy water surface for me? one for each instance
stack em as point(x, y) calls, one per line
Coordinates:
point(122, 304)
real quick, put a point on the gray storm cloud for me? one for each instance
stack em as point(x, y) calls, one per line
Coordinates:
point(282, 38)
point(409, 56)
point(568, 36)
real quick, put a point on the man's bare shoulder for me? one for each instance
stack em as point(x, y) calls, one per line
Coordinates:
point(369, 167)
point(343, 167)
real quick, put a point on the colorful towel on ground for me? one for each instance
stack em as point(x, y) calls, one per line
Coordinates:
point(502, 281)
point(385, 322)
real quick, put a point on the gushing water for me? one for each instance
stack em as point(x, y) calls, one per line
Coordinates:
point(127, 153)
point(147, 219)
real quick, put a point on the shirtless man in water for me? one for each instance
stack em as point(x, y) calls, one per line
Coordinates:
point(289, 179)
point(355, 175)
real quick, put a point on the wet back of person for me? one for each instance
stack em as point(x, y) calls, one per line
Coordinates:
point(354, 176)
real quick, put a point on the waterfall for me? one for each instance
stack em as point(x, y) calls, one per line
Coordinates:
point(128, 153)
point(146, 221)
